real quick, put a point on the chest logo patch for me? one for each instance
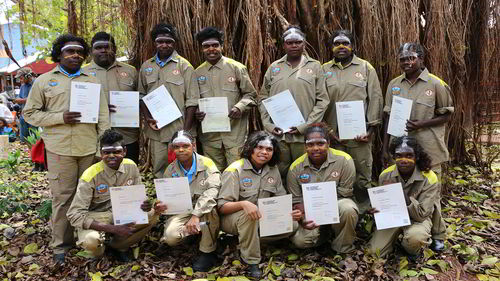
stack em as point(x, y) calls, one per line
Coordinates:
point(176, 72)
point(310, 71)
point(429, 93)
point(231, 79)
point(304, 178)
point(396, 90)
point(102, 188)
point(246, 182)
point(123, 74)
point(270, 180)
point(275, 70)
point(202, 80)
point(93, 73)
point(53, 82)
point(334, 174)
point(148, 70)
point(359, 75)
point(130, 181)
point(329, 74)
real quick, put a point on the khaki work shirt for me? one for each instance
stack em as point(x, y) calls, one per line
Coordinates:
point(48, 99)
point(338, 167)
point(431, 97)
point(118, 77)
point(180, 80)
point(204, 186)
point(306, 82)
point(227, 78)
point(422, 189)
point(92, 193)
point(241, 183)
point(358, 81)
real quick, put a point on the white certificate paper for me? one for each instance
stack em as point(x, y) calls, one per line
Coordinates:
point(85, 99)
point(162, 106)
point(284, 111)
point(127, 109)
point(276, 215)
point(389, 200)
point(216, 118)
point(320, 202)
point(350, 119)
point(126, 204)
point(4, 147)
point(175, 193)
point(400, 113)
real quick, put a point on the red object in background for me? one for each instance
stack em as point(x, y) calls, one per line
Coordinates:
point(171, 156)
point(37, 152)
point(42, 66)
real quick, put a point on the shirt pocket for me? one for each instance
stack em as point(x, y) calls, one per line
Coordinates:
point(126, 84)
point(176, 89)
point(268, 191)
point(424, 108)
point(246, 193)
point(309, 79)
point(54, 92)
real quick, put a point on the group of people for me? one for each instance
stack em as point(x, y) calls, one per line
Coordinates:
point(236, 168)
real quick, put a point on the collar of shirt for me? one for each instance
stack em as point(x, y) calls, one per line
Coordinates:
point(355, 60)
point(247, 165)
point(161, 63)
point(94, 65)
point(63, 71)
point(111, 172)
point(191, 171)
point(219, 64)
point(424, 76)
point(416, 176)
point(329, 159)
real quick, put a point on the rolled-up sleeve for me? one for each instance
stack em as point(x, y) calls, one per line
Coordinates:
point(192, 89)
point(375, 99)
point(230, 190)
point(346, 180)
point(247, 89)
point(79, 209)
point(444, 102)
point(294, 186)
point(422, 207)
point(207, 199)
point(264, 94)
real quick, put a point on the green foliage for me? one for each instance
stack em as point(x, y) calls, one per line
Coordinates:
point(11, 162)
point(13, 201)
point(45, 209)
point(33, 137)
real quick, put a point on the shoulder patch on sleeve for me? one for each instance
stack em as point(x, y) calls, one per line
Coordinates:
point(236, 63)
point(235, 165)
point(92, 171)
point(439, 79)
point(127, 161)
point(298, 161)
point(340, 153)
point(389, 169)
point(431, 177)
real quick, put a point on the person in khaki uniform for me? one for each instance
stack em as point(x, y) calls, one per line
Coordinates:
point(431, 110)
point(90, 212)
point(70, 145)
point(220, 76)
point(350, 78)
point(204, 182)
point(302, 75)
point(114, 76)
point(174, 72)
point(321, 164)
point(252, 177)
point(421, 191)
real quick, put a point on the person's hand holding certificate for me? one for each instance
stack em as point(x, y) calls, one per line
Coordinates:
point(400, 114)
point(276, 215)
point(175, 194)
point(320, 202)
point(389, 201)
point(85, 100)
point(284, 111)
point(216, 118)
point(350, 119)
point(126, 109)
point(162, 106)
point(126, 204)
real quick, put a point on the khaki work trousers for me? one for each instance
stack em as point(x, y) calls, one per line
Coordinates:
point(438, 223)
point(159, 157)
point(345, 231)
point(63, 175)
point(93, 241)
point(238, 223)
point(222, 156)
point(174, 231)
point(415, 237)
point(289, 153)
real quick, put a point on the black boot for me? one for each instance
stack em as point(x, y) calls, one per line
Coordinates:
point(205, 261)
point(437, 245)
point(254, 271)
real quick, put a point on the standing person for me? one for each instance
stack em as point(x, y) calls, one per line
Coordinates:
point(254, 176)
point(321, 163)
point(25, 76)
point(71, 146)
point(114, 76)
point(204, 183)
point(431, 110)
point(220, 76)
point(302, 75)
point(421, 191)
point(350, 78)
point(167, 68)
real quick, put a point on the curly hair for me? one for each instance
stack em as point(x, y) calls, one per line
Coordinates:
point(252, 142)
point(423, 161)
point(412, 46)
point(321, 128)
point(110, 137)
point(210, 32)
point(62, 40)
point(163, 28)
point(103, 36)
point(344, 32)
point(185, 133)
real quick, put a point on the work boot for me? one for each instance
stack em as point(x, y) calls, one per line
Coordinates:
point(36, 168)
point(119, 255)
point(59, 258)
point(437, 245)
point(254, 271)
point(204, 262)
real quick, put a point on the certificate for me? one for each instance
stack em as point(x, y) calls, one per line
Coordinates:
point(400, 113)
point(162, 106)
point(276, 215)
point(85, 99)
point(320, 202)
point(175, 193)
point(126, 204)
point(389, 200)
point(284, 111)
point(216, 118)
point(350, 119)
point(4, 147)
point(127, 109)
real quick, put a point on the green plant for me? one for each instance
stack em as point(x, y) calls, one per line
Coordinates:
point(11, 162)
point(45, 209)
point(13, 197)
point(34, 136)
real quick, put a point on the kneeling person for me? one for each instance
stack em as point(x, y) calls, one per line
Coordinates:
point(90, 212)
point(255, 175)
point(204, 182)
point(321, 164)
point(421, 190)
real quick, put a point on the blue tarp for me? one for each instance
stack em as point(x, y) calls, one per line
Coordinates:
point(12, 34)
